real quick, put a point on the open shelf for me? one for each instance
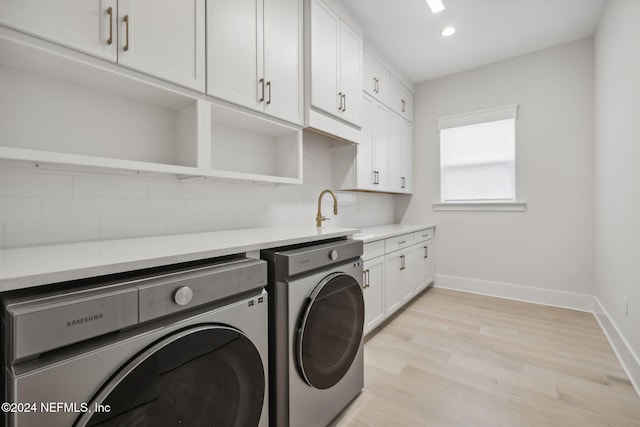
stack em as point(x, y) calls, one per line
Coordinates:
point(61, 107)
point(250, 146)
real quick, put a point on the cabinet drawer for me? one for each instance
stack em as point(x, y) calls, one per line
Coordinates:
point(373, 250)
point(422, 235)
point(398, 242)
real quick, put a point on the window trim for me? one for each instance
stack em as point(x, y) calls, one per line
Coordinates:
point(488, 206)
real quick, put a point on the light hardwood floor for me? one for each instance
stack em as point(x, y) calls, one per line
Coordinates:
point(459, 359)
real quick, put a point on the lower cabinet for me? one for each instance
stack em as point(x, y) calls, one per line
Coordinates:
point(395, 270)
point(373, 292)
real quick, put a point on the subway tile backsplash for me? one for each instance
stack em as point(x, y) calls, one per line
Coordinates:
point(45, 207)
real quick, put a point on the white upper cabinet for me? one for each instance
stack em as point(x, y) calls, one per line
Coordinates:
point(86, 25)
point(376, 79)
point(400, 99)
point(254, 55)
point(162, 38)
point(336, 65)
point(371, 153)
point(400, 154)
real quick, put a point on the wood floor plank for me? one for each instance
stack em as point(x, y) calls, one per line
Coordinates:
point(459, 359)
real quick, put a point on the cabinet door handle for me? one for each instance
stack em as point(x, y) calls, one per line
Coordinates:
point(261, 81)
point(344, 108)
point(340, 98)
point(402, 242)
point(426, 252)
point(404, 182)
point(110, 12)
point(404, 106)
point(269, 87)
point(376, 177)
point(126, 32)
point(402, 262)
point(377, 86)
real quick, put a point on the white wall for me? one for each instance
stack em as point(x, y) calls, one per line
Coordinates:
point(40, 206)
point(617, 170)
point(550, 245)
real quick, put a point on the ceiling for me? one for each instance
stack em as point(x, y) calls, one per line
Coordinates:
point(487, 31)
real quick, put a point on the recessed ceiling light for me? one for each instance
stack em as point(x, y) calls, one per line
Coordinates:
point(448, 31)
point(435, 5)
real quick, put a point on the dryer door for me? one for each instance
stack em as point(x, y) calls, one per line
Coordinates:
point(205, 375)
point(331, 330)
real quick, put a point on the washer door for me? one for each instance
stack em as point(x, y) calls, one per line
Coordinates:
point(205, 375)
point(330, 334)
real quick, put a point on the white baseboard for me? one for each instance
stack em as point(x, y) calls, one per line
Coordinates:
point(627, 357)
point(573, 301)
point(581, 302)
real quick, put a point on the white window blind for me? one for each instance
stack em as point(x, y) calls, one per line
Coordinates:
point(477, 156)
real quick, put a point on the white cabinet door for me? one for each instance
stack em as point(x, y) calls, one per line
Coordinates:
point(164, 38)
point(234, 62)
point(399, 279)
point(380, 146)
point(365, 177)
point(351, 74)
point(392, 278)
point(400, 154)
point(427, 263)
point(395, 152)
point(283, 59)
point(400, 99)
point(325, 30)
point(375, 79)
point(86, 25)
point(406, 156)
point(374, 312)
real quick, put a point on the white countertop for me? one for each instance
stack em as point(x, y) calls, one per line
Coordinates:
point(40, 265)
point(372, 234)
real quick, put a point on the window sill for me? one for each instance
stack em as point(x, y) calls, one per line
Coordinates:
point(480, 206)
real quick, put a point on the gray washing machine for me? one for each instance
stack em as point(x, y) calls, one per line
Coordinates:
point(180, 347)
point(316, 310)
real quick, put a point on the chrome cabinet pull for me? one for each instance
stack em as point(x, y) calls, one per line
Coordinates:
point(110, 12)
point(402, 262)
point(261, 81)
point(376, 177)
point(377, 86)
point(126, 21)
point(269, 87)
point(404, 106)
point(404, 181)
point(402, 242)
point(340, 98)
point(344, 108)
point(426, 252)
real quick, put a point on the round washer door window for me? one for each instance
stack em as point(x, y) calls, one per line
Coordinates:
point(330, 334)
point(207, 375)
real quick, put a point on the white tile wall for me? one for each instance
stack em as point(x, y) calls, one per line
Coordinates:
point(43, 207)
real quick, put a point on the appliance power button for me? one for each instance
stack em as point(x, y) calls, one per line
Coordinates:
point(183, 295)
point(333, 255)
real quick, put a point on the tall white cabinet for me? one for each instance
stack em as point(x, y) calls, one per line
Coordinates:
point(254, 55)
point(161, 38)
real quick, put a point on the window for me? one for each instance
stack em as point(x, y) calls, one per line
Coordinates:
point(477, 156)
